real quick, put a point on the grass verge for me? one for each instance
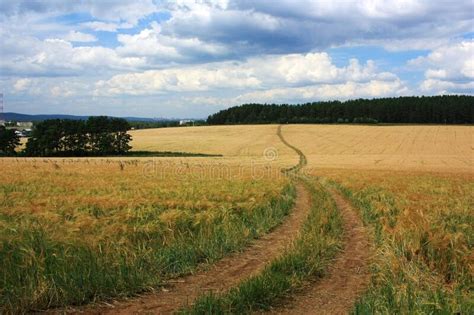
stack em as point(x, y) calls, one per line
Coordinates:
point(307, 258)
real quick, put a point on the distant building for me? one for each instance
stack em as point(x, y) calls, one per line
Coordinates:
point(24, 124)
point(185, 122)
point(2, 122)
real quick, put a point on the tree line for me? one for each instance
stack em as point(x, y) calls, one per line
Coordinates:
point(446, 109)
point(95, 136)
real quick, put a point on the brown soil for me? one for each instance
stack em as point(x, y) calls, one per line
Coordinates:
point(221, 276)
point(347, 278)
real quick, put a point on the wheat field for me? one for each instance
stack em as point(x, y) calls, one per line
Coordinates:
point(62, 219)
point(423, 228)
point(74, 230)
point(241, 142)
point(417, 148)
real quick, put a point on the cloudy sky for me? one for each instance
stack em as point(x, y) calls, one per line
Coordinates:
point(192, 58)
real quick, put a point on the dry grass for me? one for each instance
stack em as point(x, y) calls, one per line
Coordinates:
point(419, 148)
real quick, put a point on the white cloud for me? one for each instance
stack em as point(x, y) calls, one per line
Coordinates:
point(61, 91)
point(74, 36)
point(449, 68)
point(226, 52)
point(347, 90)
point(22, 84)
point(150, 42)
point(447, 87)
point(60, 57)
point(106, 26)
point(261, 73)
point(130, 11)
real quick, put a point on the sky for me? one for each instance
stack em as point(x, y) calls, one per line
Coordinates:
point(189, 59)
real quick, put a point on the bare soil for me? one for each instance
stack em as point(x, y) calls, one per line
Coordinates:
point(347, 277)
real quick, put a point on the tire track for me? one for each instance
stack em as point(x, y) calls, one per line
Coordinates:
point(335, 293)
point(220, 277)
point(302, 158)
point(347, 277)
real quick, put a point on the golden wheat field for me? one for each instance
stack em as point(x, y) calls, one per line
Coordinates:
point(74, 230)
point(413, 186)
point(423, 227)
point(239, 142)
point(423, 148)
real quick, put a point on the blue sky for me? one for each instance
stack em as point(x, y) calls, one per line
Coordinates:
point(192, 58)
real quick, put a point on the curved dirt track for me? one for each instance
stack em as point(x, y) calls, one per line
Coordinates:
point(221, 276)
point(347, 277)
point(334, 294)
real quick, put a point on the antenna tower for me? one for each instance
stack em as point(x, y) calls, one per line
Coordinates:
point(2, 119)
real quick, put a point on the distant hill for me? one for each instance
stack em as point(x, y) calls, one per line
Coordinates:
point(26, 117)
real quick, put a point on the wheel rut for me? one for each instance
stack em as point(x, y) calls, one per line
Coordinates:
point(348, 276)
point(221, 276)
point(334, 294)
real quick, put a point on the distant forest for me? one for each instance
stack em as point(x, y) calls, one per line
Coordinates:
point(446, 109)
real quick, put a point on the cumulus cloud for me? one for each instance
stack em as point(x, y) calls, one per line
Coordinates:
point(341, 91)
point(59, 57)
point(449, 68)
point(150, 42)
point(261, 73)
point(233, 51)
point(283, 27)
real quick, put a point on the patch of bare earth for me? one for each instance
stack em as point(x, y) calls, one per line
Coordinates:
point(220, 277)
point(347, 277)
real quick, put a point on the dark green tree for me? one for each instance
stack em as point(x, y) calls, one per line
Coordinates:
point(96, 136)
point(9, 140)
point(121, 137)
point(446, 109)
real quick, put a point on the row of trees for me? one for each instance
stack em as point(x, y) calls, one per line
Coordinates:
point(448, 109)
point(96, 136)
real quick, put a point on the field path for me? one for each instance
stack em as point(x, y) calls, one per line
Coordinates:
point(221, 276)
point(347, 277)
